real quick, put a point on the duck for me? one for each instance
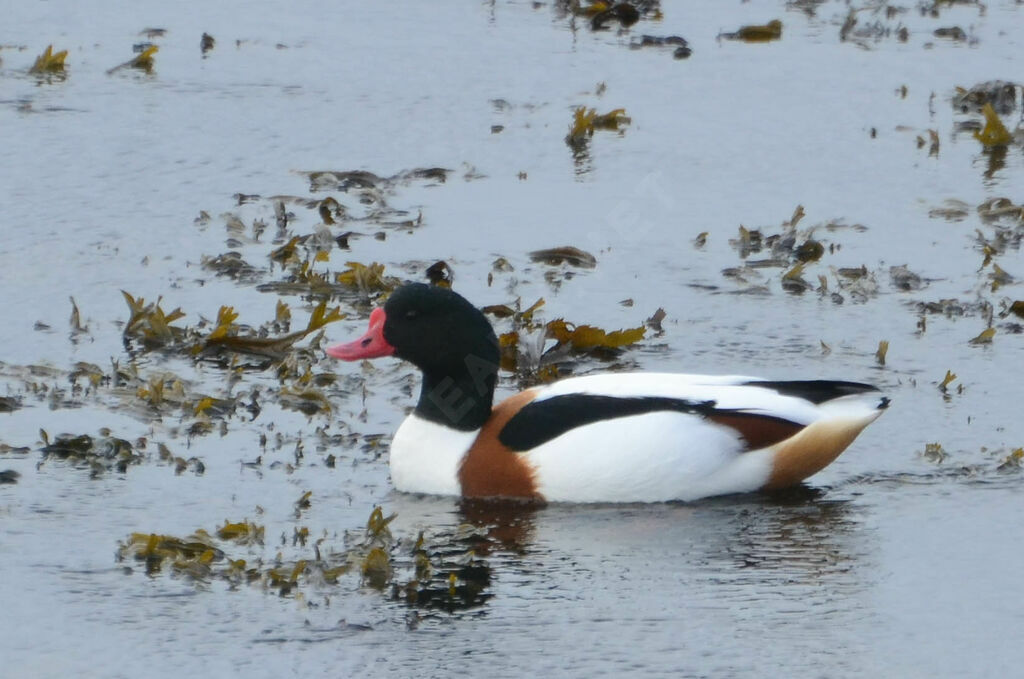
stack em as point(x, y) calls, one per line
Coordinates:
point(630, 437)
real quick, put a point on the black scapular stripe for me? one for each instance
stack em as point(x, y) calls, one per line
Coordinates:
point(540, 421)
point(815, 391)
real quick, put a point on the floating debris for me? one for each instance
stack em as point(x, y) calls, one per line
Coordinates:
point(954, 33)
point(862, 33)
point(241, 532)
point(308, 400)
point(994, 133)
point(950, 308)
point(231, 265)
point(104, 453)
point(999, 94)
point(1012, 462)
point(440, 274)
point(225, 334)
point(9, 476)
point(206, 43)
point(150, 324)
point(680, 48)
point(883, 349)
point(904, 279)
point(809, 251)
point(144, 61)
point(654, 322)
point(757, 33)
point(193, 556)
point(999, 277)
point(366, 278)
point(793, 280)
point(996, 209)
point(934, 453)
point(437, 572)
point(49, 62)
point(587, 337)
point(933, 142)
point(952, 211)
point(8, 404)
point(345, 180)
point(586, 121)
point(985, 337)
point(624, 13)
point(565, 255)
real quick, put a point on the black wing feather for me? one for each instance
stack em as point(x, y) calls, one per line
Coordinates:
point(540, 421)
point(815, 391)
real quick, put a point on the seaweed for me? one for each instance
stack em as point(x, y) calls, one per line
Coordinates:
point(984, 337)
point(225, 335)
point(624, 13)
point(954, 33)
point(366, 278)
point(680, 48)
point(1013, 462)
point(756, 33)
point(883, 349)
point(523, 347)
point(143, 61)
point(587, 120)
point(440, 274)
point(999, 94)
point(565, 255)
point(586, 337)
point(241, 532)
point(49, 61)
point(151, 325)
point(439, 572)
point(104, 453)
point(934, 453)
point(994, 134)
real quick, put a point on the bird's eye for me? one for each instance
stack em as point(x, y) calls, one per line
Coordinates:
point(411, 314)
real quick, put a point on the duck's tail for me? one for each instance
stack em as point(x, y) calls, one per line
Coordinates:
point(815, 446)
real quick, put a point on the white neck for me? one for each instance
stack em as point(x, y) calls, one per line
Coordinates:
point(425, 456)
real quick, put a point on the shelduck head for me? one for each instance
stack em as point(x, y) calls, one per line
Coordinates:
point(428, 326)
point(442, 334)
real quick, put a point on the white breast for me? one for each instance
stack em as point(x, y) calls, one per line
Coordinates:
point(425, 457)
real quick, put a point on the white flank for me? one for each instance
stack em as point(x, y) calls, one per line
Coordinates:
point(425, 456)
point(653, 457)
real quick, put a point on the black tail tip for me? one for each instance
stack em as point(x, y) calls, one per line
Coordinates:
point(884, 403)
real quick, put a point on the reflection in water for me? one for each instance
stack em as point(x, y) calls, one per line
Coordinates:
point(799, 533)
point(509, 526)
point(996, 157)
point(779, 540)
point(452, 567)
point(582, 163)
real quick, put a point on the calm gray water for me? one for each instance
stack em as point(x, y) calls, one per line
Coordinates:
point(891, 562)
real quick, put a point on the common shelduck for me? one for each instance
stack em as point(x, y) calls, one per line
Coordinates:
point(616, 437)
